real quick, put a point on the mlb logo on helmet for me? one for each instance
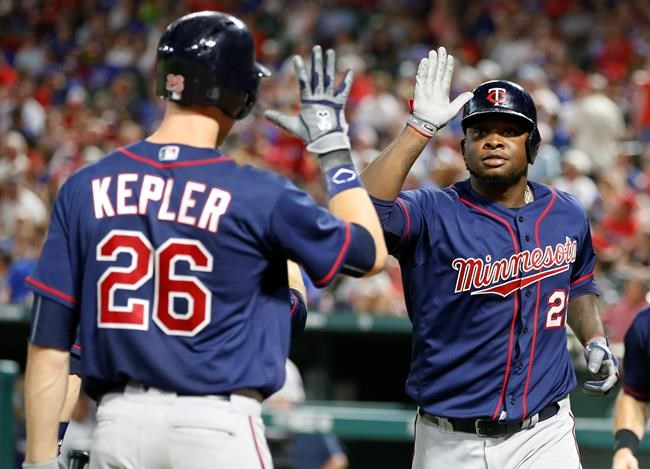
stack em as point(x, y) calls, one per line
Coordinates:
point(497, 96)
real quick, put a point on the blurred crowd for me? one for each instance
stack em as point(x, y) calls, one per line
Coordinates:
point(76, 82)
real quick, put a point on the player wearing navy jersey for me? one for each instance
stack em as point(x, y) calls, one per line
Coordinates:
point(631, 412)
point(493, 267)
point(172, 261)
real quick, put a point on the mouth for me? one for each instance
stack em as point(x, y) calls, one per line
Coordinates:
point(494, 160)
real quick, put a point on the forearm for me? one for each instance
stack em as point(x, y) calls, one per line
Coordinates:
point(630, 414)
point(71, 397)
point(354, 206)
point(46, 380)
point(384, 177)
point(583, 316)
point(295, 278)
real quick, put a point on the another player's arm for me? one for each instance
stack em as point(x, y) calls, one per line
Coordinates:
point(321, 124)
point(46, 380)
point(71, 397)
point(431, 111)
point(354, 206)
point(298, 300)
point(53, 329)
point(630, 417)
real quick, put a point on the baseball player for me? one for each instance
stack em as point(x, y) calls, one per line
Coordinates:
point(631, 411)
point(172, 259)
point(493, 268)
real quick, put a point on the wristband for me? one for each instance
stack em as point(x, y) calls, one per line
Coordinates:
point(341, 178)
point(625, 438)
point(427, 129)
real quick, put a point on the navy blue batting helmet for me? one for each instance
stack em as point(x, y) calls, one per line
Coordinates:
point(208, 59)
point(505, 97)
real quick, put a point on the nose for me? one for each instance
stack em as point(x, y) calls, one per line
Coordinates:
point(493, 141)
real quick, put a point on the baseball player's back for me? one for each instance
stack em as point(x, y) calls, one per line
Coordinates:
point(171, 261)
point(180, 251)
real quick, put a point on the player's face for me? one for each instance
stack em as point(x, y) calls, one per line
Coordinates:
point(494, 149)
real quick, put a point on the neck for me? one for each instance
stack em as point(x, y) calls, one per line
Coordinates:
point(512, 195)
point(188, 126)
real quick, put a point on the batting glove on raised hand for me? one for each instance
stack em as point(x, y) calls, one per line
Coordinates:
point(430, 106)
point(603, 365)
point(321, 122)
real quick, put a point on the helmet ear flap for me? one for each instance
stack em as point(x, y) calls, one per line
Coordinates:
point(532, 146)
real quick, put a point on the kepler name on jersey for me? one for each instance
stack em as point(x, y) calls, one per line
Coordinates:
point(136, 194)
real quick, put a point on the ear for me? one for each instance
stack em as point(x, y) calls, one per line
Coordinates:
point(462, 146)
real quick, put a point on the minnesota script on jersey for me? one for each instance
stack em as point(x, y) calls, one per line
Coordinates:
point(487, 289)
point(169, 251)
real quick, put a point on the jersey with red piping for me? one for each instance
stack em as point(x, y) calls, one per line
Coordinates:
point(176, 255)
point(487, 289)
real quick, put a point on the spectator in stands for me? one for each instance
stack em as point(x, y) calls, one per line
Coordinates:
point(596, 123)
point(13, 155)
point(19, 202)
point(635, 290)
point(575, 179)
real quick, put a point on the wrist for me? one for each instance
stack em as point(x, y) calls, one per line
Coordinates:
point(599, 339)
point(51, 464)
point(330, 143)
point(625, 439)
point(339, 172)
point(421, 126)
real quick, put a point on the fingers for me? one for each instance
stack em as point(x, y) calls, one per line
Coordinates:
point(346, 84)
point(301, 74)
point(596, 356)
point(330, 69)
point(423, 68)
point(317, 70)
point(447, 73)
point(289, 123)
point(460, 100)
point(431, 69)
point(601, 388)
point(438, 67)
point(442, 65)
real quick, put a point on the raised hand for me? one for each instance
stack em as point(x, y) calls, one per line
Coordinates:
point(321, 121)
point(430, 107)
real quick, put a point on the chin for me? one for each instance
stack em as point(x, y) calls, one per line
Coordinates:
point(499, 178)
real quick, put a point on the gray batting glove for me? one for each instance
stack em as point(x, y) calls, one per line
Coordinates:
point(51, 464)
point(603, 365)
point(430, 107)
point(321, 122)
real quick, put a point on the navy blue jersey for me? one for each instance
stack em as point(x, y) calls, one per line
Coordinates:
point(487, 289)
point(175, 258)
point(636, 362)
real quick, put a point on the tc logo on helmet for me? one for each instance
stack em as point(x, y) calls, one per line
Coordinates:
point(175, 84)
point(497, 96)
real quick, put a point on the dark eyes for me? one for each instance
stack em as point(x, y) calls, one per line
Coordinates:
point(480, 132)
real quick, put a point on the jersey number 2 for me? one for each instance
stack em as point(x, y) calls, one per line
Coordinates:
point(159, 264)
point(556, 313)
